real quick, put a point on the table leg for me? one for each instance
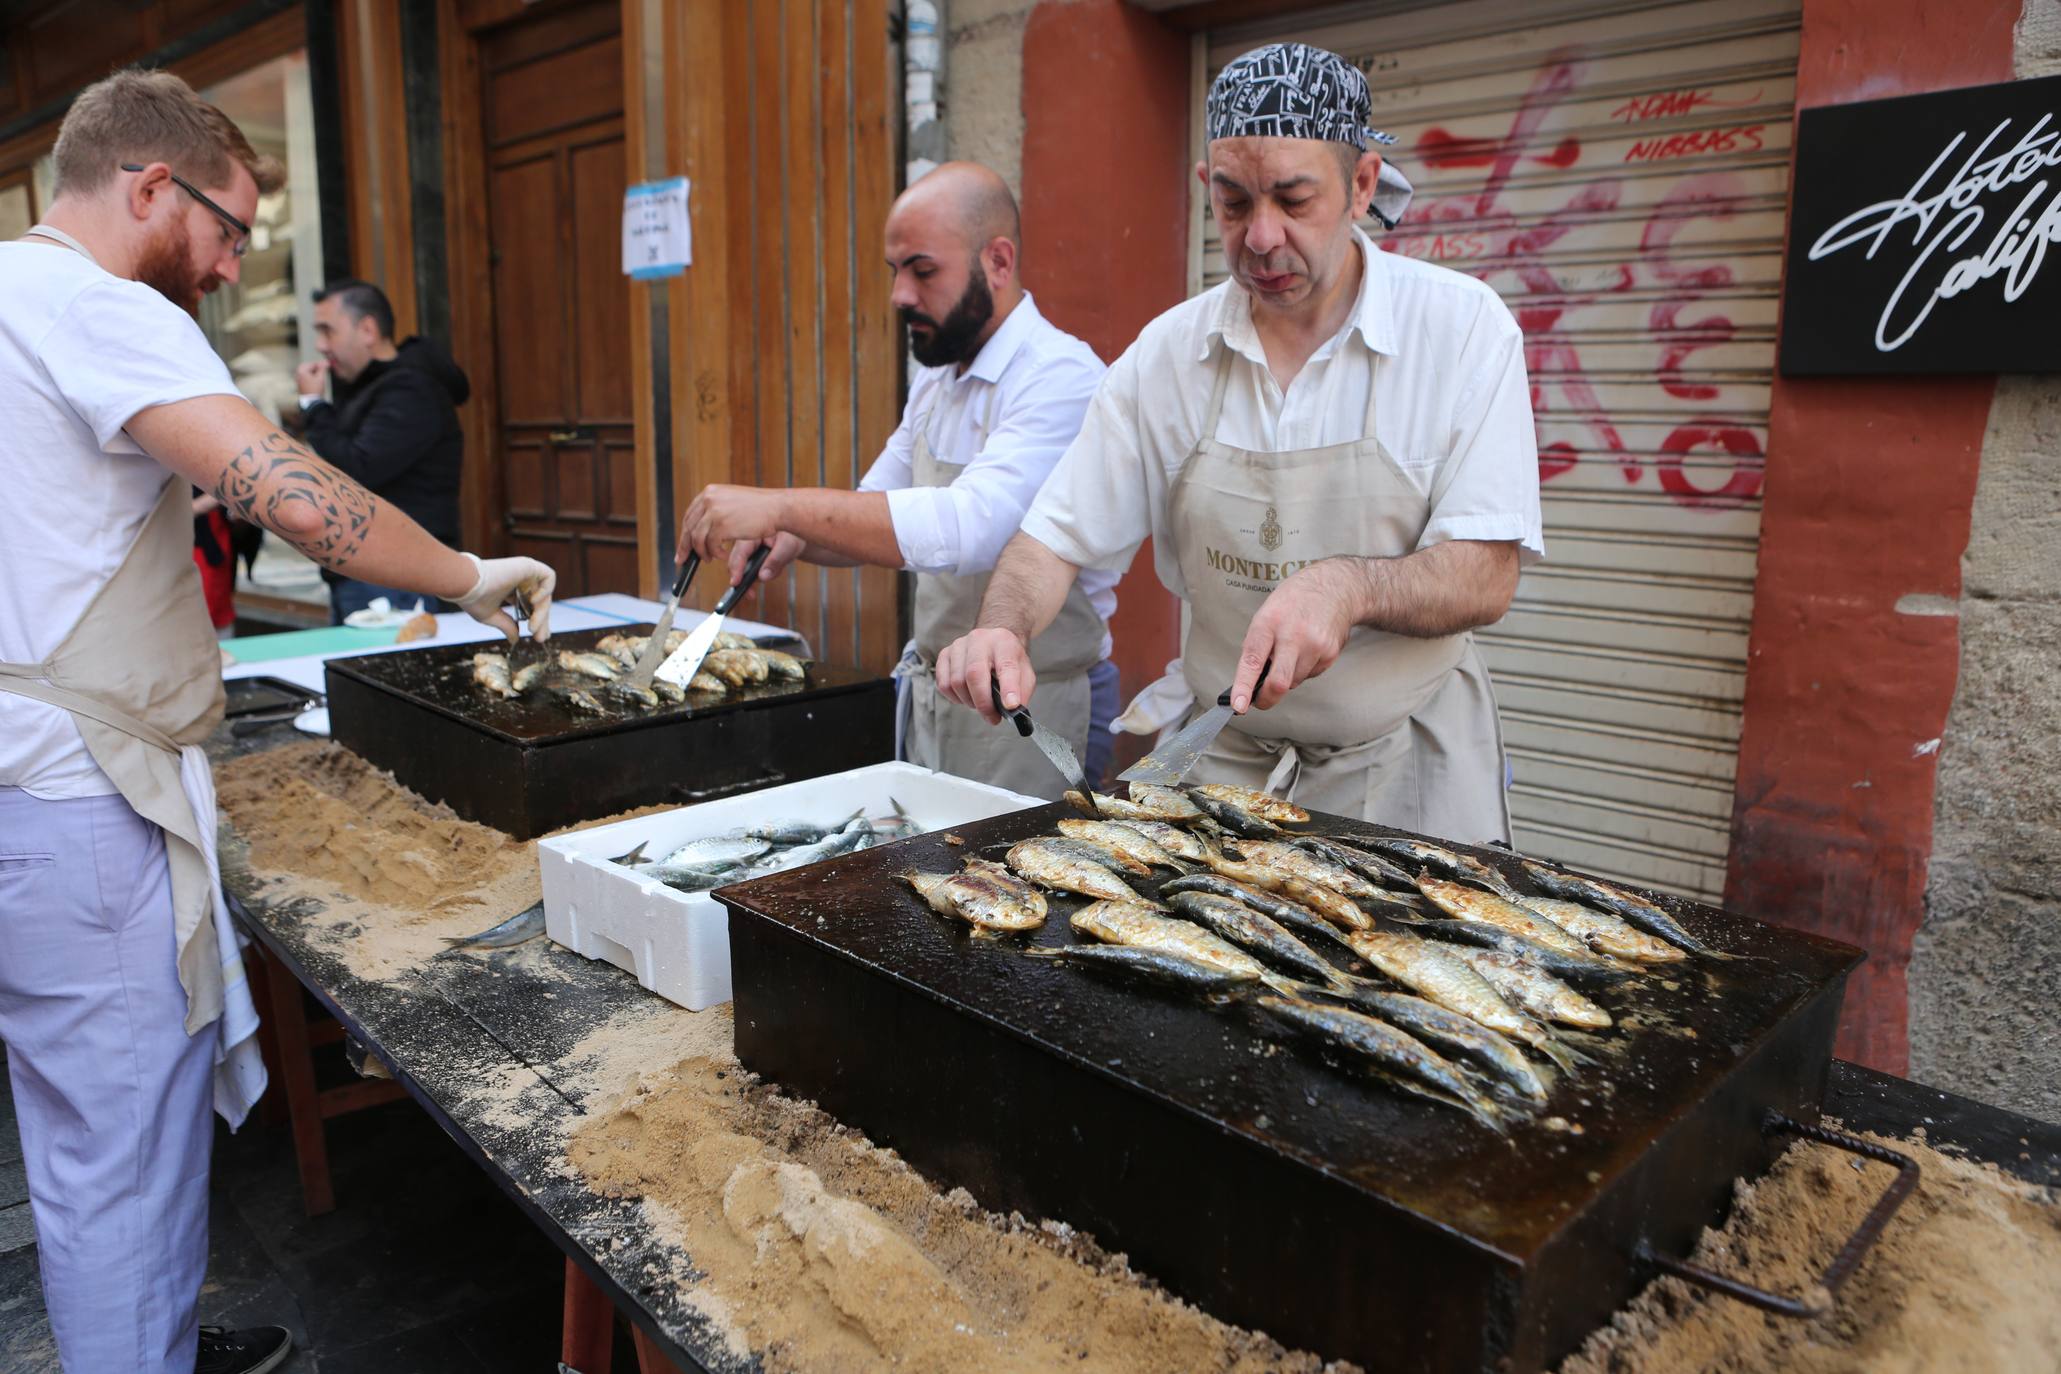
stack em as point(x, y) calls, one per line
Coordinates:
point(650, 1359)
point(297, 1069)
point(588, 1341)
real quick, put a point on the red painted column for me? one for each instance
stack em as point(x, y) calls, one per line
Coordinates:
point(1106, 175)
point(1869, 488)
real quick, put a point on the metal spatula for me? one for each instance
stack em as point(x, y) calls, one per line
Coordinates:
point(1173, 761)
point(655, 649)
point(683, 665)
point(1055, 749)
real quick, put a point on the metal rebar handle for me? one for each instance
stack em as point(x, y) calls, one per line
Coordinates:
point(1819, 1297)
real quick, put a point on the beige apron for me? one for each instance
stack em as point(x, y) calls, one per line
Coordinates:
point(1399, 731)
point(943, 735)
point(141, 675)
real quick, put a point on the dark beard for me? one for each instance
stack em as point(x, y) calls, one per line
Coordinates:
point(956, 340)
point(166, 267)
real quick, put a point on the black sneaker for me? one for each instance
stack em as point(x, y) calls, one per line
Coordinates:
point(253, 1350)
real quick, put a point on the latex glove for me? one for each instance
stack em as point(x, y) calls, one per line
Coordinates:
point(523, 583)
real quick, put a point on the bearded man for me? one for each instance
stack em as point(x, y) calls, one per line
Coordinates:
point(999, 395)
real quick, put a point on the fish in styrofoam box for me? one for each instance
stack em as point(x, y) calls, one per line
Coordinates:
point(677, 942)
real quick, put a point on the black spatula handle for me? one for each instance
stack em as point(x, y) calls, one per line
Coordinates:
point(1224, 697)
point(687, 571)
point(746, 582)
point(1020, 716)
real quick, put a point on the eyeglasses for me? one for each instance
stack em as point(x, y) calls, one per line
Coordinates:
point(242, 243)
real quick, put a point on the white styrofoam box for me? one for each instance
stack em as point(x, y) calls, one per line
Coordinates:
point(678, 943)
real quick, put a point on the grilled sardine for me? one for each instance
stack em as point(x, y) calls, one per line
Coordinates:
point(490, 671)
point(1123, 839)
point(587, 663)
point(983, 895)
point(1534, 991)
point(1179, 842)
point(1050, 864)
point(1297, 917)
point(1442, 976)
point(1300, 863)
point(1604, 932)
point(1151, 965)
point(737, 667)
point(1096, 851)
point(1233, 816)
point(1257, 934)
point(1640, 912)
point(1453, 1032)
point(1464, 903)
point(1262, 804)
point(784, 667)
point(1335, 906)
point(1146, 803)
point(1415, 855)
point(1139, 926)
point(1385, 1047)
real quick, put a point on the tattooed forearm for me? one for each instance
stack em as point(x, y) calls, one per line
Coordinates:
point(280, 485)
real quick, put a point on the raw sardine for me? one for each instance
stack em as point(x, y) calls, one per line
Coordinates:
point(524, 925)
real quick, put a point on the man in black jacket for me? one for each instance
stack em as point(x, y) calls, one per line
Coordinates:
point(394, 423)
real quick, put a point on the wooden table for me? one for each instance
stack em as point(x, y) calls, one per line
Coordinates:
point(461, 1018)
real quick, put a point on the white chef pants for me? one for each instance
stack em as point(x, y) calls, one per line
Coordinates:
point(112, 1095)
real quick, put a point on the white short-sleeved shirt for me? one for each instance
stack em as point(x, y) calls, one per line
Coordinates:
point(1030, 384)
point(81, 352)
point(1452, 400)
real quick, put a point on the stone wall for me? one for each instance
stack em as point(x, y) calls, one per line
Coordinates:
point(1985, 976)
point(984, 83)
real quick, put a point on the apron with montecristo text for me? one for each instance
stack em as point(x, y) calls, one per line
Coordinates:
point(141, 675)
point(1399, 731)
point(943, 735)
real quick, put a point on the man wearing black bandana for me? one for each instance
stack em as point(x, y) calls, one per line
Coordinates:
point(1333, 455)
point(998, 395)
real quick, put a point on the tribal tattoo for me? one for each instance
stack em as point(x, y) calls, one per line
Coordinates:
point(280, 485)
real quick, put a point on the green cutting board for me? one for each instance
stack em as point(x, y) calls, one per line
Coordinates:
point(334, 639)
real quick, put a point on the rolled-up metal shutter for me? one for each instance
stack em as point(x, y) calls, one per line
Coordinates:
point(1618, 171)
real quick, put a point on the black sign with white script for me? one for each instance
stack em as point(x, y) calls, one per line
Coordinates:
point(1920, 234)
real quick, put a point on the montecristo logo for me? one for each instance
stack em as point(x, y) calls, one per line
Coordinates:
point(1270, 531)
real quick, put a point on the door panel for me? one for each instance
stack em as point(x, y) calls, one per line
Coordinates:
point(553, 122)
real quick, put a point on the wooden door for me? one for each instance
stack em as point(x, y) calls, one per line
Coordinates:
point(564, 445)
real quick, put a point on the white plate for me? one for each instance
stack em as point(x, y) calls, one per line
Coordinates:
point(315, 722)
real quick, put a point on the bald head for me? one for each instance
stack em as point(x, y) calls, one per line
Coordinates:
point(967, 197)
point(953, 242)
